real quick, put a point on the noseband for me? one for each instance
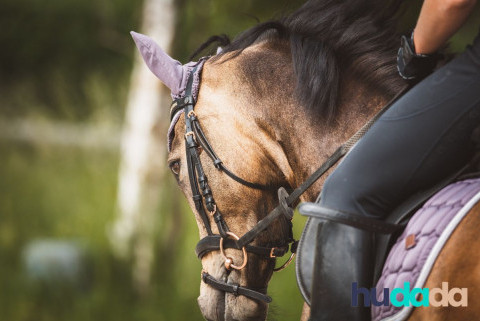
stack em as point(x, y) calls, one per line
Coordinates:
point(202, 196)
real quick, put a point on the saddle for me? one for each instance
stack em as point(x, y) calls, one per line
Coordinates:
point(412, 257)
point(305, 262)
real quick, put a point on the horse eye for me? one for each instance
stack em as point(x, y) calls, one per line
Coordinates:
point(175, 167)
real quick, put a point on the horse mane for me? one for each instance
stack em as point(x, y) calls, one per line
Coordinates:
point(329, 39)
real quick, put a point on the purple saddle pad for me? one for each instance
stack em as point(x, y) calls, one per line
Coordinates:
point(413, 255)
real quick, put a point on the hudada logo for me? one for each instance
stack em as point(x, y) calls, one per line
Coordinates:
point(401, 297)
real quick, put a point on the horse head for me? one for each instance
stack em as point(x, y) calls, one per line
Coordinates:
point(260, 116)
point(234, 123)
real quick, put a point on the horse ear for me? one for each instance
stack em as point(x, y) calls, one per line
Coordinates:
point(170, 71)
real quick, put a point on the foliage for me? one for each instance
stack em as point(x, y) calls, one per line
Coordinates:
point(197, 20)
point(68, 194)
point(65, 59)
point(70, 60)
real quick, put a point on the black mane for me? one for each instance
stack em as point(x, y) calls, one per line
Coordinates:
point(330, 38)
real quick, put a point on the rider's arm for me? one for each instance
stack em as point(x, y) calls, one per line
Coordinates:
point(438, 21)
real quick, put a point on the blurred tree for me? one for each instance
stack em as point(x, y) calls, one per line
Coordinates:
point(71, 59)
point(143, 148)
point(65, 59)
point(142, 166)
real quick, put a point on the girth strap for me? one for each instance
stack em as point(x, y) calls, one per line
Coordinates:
point(235, 289)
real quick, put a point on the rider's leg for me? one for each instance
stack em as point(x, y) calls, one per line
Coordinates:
point(423, 137)
point(342, 257)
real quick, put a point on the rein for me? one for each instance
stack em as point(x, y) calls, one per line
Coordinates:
point(203, 199)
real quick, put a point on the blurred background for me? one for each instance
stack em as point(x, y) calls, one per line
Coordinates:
point(92, 225)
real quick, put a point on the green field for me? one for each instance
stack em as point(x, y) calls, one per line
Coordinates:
point(67, 193)
point(70, 62)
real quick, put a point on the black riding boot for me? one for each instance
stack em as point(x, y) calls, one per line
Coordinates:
point(344, 258)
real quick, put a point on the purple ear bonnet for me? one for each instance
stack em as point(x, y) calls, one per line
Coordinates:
point(170, 71)
point(195, 89)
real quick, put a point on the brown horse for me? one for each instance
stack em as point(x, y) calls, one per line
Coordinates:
point(274, 105)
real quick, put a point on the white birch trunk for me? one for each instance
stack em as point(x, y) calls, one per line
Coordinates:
point(143, 151)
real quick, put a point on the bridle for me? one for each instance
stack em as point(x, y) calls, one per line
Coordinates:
point(204, 201)
point(202, 196)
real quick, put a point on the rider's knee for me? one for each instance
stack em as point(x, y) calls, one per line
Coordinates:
point(351, 193)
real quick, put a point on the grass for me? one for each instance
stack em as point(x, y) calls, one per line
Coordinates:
point(67, 193)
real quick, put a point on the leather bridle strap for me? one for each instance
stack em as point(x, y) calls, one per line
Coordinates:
point(195, 141)
point(201, 192)
point(198, 180)
point(329, 163)
point(235, 289)
point(218, 163)
point(212, 243)
point(193, 165)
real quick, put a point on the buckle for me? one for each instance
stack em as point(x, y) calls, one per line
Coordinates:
point(228, 260)
point(191, 133)
point(272, 255)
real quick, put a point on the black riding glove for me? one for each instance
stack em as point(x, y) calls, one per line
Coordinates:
point(413, 66)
